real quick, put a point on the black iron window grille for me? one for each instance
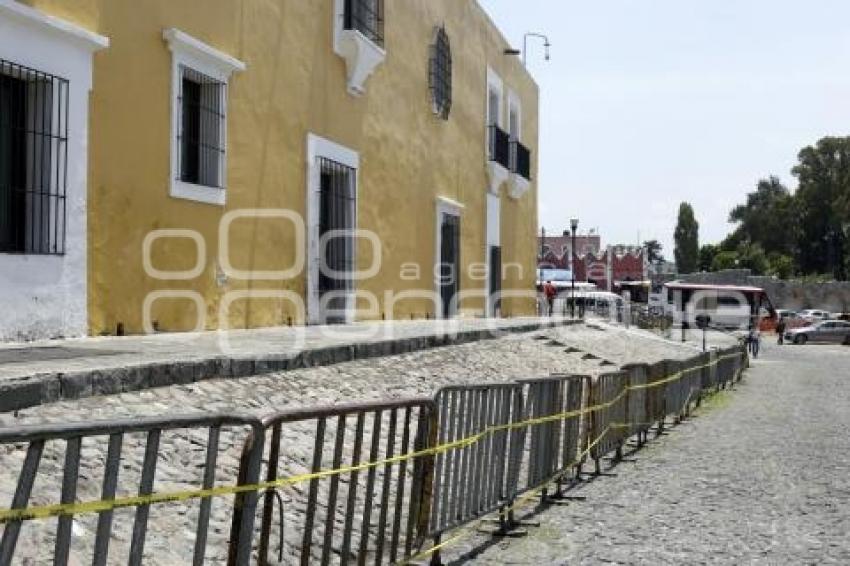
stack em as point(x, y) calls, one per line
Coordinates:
point(440, 76)
point(33, 160)
point(367, 17)
point(336, 231)
point(520, 159)
point(499, 142)
point(200, 137)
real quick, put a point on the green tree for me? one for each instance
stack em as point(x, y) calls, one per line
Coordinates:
point(687, 240)
point(724, 260)
point(822, 206)
point(707, 254)
point(767, 218)
point(653, 251)
point(751, 256)
point(780, 265)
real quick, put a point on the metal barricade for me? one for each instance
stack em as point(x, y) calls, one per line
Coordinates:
point(692, 376)
point(358, 494)
point(677, 388)
point(608, 396)
point(656, 394)
point(726, 367)
point(112, 460)
point(637, 414)
point(709, 373)
point(742, 362)
point(473, 480)
point(554, 443)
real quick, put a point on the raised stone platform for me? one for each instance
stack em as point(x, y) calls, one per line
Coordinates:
point(46, 372)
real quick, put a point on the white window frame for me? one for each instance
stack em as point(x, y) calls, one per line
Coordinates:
point(317, 147)
point(515, 105)
point(444, 207)
point(192, 53)
point(496, 85)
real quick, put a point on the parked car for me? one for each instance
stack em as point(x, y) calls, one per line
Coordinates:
point(831, 331)
point(814, 315)
point(786, 314)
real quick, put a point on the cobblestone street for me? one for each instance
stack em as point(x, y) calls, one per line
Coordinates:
point(584, 349)
point(761, 475)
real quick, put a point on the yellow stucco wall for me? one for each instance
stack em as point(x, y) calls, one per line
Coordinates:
point(294, 84)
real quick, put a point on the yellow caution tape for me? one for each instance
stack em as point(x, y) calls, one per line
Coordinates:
point(55, 510)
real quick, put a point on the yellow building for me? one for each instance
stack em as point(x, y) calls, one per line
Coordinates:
point(256, 163)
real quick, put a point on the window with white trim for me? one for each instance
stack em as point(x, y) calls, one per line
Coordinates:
point(33, 160)
point(200, 134)
point(200, 75)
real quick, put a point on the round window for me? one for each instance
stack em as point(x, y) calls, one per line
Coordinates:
point(440, 79)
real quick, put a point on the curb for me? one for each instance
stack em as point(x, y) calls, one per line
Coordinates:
point(41, 389)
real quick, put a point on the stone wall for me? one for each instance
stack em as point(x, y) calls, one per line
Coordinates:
point(793, 294)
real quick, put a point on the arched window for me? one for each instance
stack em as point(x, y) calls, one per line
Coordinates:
point(440, 74)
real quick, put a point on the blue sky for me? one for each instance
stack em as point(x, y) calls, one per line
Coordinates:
point(646, 103)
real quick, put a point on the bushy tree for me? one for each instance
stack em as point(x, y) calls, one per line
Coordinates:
point(654, 251)
point(724, 260)
point(766, 218)
point(707, 253)
point(751, 256)
point(687, 240)
point(780, 265)
point(822, 205)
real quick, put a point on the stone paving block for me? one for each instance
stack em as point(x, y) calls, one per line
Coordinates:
point(206, 369)
point(76, 385)
point(105, 382)
point(51, 389)
point(17, 395)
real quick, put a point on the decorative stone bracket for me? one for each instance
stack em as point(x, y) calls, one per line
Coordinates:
point(498, 174)
point(519, 186)
point(362, 57)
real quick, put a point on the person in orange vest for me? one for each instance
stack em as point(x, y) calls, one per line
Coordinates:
point(550, 292)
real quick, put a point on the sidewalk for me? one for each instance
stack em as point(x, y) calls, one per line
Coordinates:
point(46, 372)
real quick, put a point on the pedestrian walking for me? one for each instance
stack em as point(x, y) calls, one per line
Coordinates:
point(780, 330)
point(754, 339)
point(550, 292)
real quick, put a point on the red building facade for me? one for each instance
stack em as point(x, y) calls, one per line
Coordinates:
point(605, 267)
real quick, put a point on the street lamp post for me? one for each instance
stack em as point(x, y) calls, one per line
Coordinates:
point(574, 228)
point(546, 45)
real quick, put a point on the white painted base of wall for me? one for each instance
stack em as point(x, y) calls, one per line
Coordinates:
point(45, 296)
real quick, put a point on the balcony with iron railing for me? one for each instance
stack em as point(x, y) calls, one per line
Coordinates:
point(498, 157)
point(520, 157)
point(499, 144)
point(520, 160)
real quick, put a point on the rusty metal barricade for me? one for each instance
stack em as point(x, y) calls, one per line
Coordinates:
point(608, 395)
point(554, 441)
point(66, 460)
point(361, 492)
point(476, 479)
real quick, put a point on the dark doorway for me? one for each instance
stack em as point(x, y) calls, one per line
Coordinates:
point(495, 281)
point(336, 239)
point(449, 263)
